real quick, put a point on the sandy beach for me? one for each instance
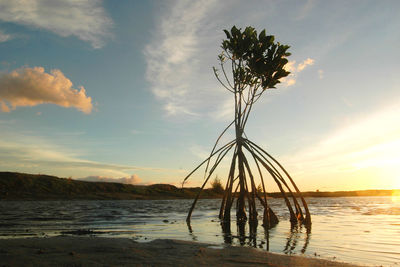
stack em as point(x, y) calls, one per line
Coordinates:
point(97, 251)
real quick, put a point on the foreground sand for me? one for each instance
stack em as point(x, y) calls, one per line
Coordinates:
point(97, 251)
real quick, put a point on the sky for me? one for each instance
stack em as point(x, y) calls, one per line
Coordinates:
point(124, 90)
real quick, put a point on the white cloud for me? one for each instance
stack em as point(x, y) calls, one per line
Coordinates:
point(4, 37)
point(133, 179)
point(33, 86)
point(225, 110)
point(304, 64)
point(185, 46)
point(289, 81)
point(85, 19)
point(295, 70)
point(177, 54)
point(291, 66)
point(173, 109)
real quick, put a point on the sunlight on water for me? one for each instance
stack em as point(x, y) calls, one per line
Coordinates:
point(361, 230)
point(396, 196)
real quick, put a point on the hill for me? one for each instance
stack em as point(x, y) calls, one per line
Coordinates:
point(15, 186)
point(22, 186)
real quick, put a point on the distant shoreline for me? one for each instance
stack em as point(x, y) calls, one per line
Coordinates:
point(22, 186)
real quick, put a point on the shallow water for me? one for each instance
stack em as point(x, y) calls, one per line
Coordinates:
point(364, 230)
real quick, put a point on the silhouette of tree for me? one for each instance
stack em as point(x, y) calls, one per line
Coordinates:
point(255, 63)
point(217, 186)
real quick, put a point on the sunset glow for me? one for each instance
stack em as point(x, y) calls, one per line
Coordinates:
point(132, 93)
point(175, 132)
point(396, 196)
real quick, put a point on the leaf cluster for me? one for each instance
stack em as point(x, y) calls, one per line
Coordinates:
point(257, 59)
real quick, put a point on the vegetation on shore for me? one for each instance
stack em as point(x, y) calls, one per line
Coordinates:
point(21, 186)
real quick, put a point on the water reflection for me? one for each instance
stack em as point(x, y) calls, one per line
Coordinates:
point(362, 230)
point(249, 238)
point(194, 237)
point(396, 196)
point(294, 236)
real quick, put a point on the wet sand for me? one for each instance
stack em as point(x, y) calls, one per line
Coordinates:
point(98, 251)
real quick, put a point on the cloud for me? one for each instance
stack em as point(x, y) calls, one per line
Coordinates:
point(225, 110)
point(4, 37)
point(133, 179)
point(289, 81)
point(33, 86)
point(85, 19)
point(304, 64)
point(173, 109)
point(184, 48)
point(295, 70)
point(26, 152)
point(177, 54)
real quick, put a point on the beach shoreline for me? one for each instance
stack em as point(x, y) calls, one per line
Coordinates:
point(103, 251)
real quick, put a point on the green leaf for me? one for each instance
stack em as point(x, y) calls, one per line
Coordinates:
point(227, 34)
point(262, 60)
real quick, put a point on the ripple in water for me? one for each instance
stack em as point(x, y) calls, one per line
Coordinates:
point(362, 230)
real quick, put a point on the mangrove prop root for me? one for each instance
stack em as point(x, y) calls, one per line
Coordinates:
point(241, 172)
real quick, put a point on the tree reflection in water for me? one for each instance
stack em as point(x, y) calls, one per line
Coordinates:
point(294, 236)
point(292, 240)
